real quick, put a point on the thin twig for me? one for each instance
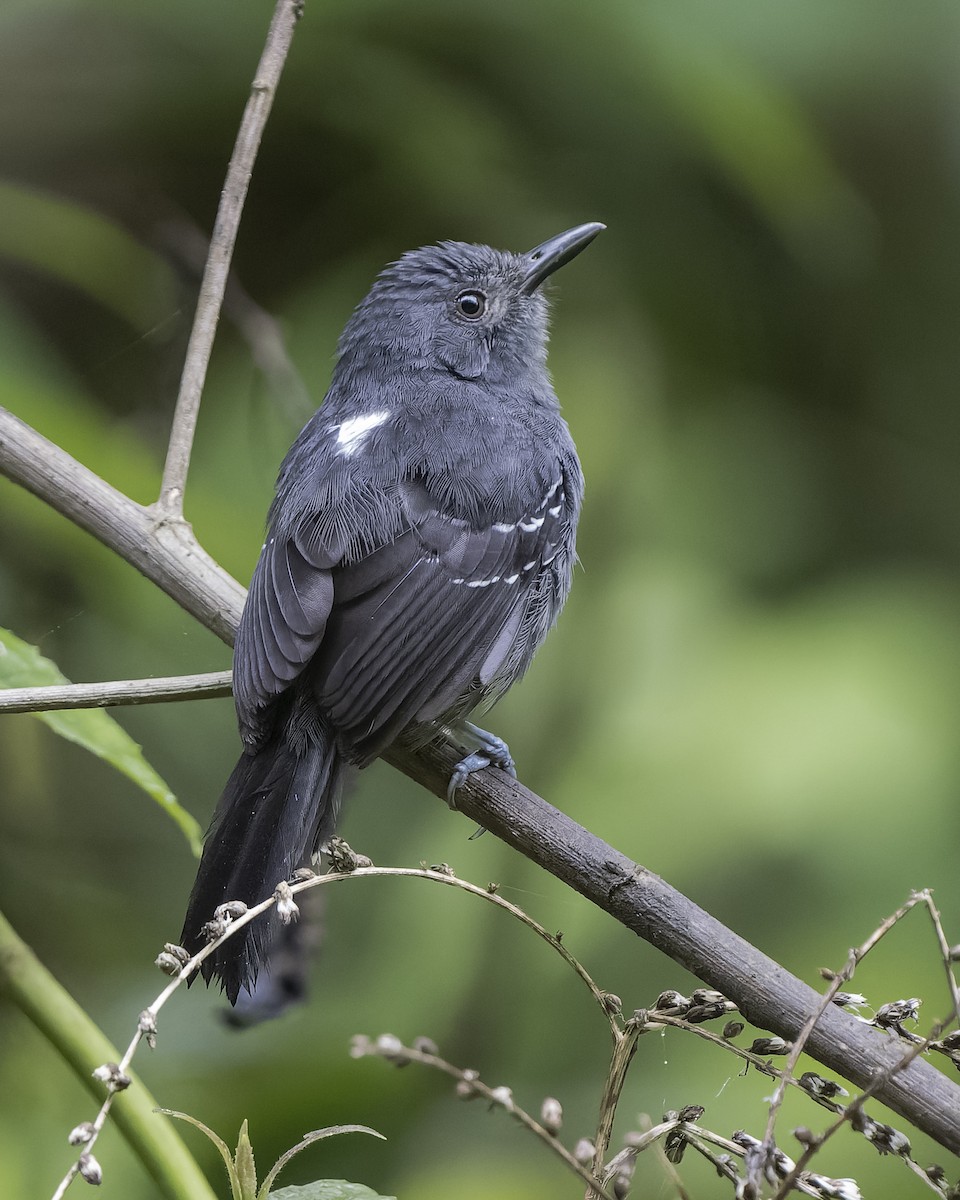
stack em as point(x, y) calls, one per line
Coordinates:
point(395, 1051)
point(161, 690)
point(843, 976)
point(217, 269)
point(926, 896)
point(147, 1024)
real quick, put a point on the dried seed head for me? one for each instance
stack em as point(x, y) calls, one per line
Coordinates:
point(692, 1112)
point(302, 874)
point(229, 911)
point(732, 1029)
point(611, 1003)
point(502, 1096)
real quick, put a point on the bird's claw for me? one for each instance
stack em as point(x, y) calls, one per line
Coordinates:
point(495, 753)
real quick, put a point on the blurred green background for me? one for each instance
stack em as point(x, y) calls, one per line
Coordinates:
point(755, 687)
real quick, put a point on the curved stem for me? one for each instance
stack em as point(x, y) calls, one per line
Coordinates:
point(67, 1027)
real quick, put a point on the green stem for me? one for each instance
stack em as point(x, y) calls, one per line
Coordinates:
point(67, 1027)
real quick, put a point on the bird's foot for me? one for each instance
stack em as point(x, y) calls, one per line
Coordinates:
point(491, 751)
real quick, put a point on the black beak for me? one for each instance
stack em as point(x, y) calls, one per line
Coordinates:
point(552, 255)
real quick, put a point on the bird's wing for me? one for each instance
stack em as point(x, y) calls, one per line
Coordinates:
point(282, 625)
point(400, 633)
point(426, 621)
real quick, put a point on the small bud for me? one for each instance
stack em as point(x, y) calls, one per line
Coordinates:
point(611, 1003)
point(466, 1089)
point(771, 1045)
point(708, 996)
point(852, 1000)
point(691, 1112)
point(229, 911)
point(147, 1024)
point(360, 1046)
point(806, 1137)
point(167, 963)
point(178, 952)
point(90, 1169)
point(390, 1047)
point(584, 1151)
point(551, 1115)
point(502, 1096)
point(696, 1014)
point(287, 909)
point(493, 888)
point(112, 1076)
point(81, 1134)
point(443, 869)
point(623, 1180)
point(822, 1089)
point(732, 1029)
point(302, 874)
point(426, 1046)
point(213, 930)
point(343, 859)
point(843, 1189)
point(954, 953)
point(671, 999)
point(891, 1016)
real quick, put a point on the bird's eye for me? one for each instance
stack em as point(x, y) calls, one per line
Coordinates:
point(471, 304)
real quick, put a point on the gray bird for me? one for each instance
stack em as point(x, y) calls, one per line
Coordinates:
point(419, 548)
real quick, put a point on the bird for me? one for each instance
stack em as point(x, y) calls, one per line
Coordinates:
point(419, 547)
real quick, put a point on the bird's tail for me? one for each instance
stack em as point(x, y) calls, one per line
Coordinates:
point(279, 804)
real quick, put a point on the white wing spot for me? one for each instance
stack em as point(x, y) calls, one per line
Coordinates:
point(500, 527)
point(350, 434)
point(531, 563)
point(555, 512)
point(531, 525)
point(510, 578)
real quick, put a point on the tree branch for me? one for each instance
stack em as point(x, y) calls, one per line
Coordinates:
point(217, 267)
point(765, 993)
point(118, 691)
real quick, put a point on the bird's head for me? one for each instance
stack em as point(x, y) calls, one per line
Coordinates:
point(471, 311)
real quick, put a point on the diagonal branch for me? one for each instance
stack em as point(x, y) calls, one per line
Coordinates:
point(765, 993)
point(217, 267)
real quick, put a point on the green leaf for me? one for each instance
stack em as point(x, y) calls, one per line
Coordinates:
point(22, 665)
point(308, 1139)
point(220, 1144)
point(245, 1165)
point(328, 1189)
